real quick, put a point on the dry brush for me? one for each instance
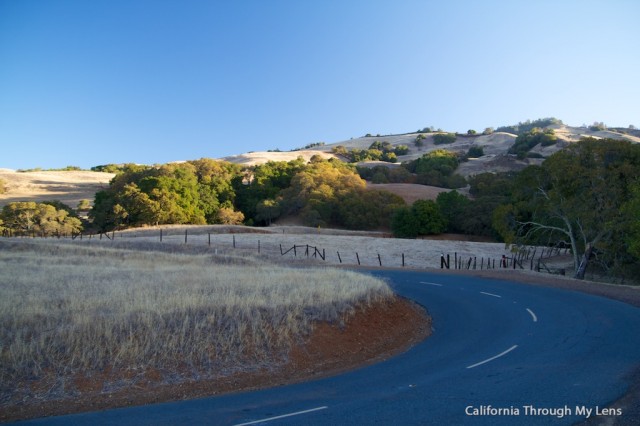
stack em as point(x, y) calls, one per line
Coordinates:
point(77, 310)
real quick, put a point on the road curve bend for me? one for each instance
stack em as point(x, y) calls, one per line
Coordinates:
point(500, 353)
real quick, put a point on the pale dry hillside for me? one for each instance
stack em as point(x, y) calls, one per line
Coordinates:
point(67, 186)
point(69, 311)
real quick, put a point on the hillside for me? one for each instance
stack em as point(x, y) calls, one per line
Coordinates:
point(72, 186)
point(67, 186)
point(494, 145)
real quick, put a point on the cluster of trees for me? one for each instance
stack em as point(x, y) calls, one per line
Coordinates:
point(527, 140)
point(322, 193)
point(584, 197)
point(451, 212)
point(108, 168)
point(310, 146)
point(384, 174)
point(377, 151)
point(598, 126)
point(49, 218)
point(526, 126)
point(195, 192)
point(437, 168)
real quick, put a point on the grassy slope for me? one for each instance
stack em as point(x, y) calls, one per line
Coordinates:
point(183, 316)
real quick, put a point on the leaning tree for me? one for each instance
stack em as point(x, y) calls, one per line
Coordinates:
point(576, 197)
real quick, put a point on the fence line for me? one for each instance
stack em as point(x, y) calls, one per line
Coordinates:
point(529, 256)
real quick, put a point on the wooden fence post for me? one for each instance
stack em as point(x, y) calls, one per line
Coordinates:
point(358, 257)
point(339, 258)
point(379, 260)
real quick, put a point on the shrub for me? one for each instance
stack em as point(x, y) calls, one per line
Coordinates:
point(401, 150)
point(475, 152)
point(444, 138)
point(525, 141)
point(423, 218)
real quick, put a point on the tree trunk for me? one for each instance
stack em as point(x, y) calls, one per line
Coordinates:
point(582, 268)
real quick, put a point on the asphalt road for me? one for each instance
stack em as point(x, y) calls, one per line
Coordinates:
point(500, 353)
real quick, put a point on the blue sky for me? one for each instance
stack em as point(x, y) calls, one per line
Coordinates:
point(108, 81)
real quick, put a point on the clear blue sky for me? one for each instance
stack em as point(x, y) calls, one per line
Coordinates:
point(108, 81)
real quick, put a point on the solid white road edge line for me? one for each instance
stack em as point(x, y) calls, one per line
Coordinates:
point(535, 318)
point(493, 357)
point(490, 294)
point(283, 416)
point(424, 282)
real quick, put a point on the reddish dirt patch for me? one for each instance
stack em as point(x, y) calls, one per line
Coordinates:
point(369, 336)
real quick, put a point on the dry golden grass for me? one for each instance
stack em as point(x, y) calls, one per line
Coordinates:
point(69, 309)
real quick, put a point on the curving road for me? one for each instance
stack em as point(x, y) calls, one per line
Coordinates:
point(501, 353)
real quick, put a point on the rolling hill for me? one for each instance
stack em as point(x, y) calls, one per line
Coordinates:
point(72, 186)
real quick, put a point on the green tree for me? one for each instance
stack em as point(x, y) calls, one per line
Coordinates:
point(444, 138)
point(430, 218)
point(27, 217)
point(404, 223)
point(525, 141)
point(455, 208)
point(575, 198)
point(422, 218)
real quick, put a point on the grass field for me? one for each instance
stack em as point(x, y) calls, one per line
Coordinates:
point(78, 310)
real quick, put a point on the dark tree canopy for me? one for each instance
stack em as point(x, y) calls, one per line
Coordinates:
point(575, 198)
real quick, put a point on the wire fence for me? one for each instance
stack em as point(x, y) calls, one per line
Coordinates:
point(267, 246)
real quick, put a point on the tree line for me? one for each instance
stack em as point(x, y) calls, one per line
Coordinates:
point(585, 198)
